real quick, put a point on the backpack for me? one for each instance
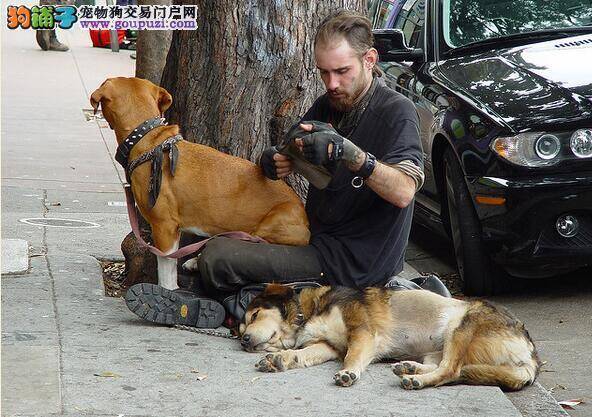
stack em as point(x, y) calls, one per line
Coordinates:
point(102, 38)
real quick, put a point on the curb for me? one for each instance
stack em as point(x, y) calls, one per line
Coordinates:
point(536, 401)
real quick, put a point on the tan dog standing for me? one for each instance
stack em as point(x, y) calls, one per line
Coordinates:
point(210, 193)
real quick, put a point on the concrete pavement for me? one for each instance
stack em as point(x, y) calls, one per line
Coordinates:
point(69, 350)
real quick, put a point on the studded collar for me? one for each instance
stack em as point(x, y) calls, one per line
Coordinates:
point(124, 149)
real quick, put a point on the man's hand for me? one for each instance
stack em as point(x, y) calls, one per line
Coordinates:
point(317, 147)
point(324, 144)
point(274, 164)
point(283, 165)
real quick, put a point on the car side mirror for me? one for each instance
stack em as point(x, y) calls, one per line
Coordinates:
point(391, 46)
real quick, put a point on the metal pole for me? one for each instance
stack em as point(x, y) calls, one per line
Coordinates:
point(113, 33)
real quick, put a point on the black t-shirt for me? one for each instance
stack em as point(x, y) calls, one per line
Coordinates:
point(361, 237)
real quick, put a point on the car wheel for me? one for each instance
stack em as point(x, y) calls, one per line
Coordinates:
point(474, 265)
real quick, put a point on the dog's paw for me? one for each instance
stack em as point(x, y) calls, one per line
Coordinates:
point(345, 378)
point(410, 382)
point(404, 368)
point(272, 362)
point(190, 265)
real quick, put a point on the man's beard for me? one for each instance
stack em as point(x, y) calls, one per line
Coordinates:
point(346, 103)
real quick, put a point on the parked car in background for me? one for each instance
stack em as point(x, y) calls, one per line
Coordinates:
point(503, 90)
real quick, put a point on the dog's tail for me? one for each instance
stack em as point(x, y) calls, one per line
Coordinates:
point(506, 377)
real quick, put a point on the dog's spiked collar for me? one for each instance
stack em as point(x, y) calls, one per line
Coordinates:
point(124, 149)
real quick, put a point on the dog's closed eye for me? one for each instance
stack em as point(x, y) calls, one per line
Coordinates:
point(254, 315)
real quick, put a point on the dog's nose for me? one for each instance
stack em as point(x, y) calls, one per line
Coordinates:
point(245, 340)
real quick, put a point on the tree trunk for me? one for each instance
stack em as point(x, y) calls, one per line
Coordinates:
point(152, 47)
point(242, 79)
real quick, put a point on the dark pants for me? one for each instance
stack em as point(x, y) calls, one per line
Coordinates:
point(225, 265)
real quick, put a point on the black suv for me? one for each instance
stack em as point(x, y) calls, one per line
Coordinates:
point(503, 90)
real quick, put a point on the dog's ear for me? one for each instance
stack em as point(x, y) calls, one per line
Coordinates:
point(99, 95)
point(279, 289)
point(164, 100)
point(95, 99)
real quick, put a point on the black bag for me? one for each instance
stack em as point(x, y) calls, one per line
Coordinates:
point(236, 304)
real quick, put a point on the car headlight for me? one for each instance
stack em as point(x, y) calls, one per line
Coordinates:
point(529, 149)
point(547, 146)
point(581, 143)
point(538, 149)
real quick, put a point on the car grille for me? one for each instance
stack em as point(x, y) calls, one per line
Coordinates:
point(550, 240)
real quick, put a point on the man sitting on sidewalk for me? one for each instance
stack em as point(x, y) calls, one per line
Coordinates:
point(360, 223)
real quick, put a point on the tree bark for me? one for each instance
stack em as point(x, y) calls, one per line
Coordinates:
point(242, 79)
point(152, 47)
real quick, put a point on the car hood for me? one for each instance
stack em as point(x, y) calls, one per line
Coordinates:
point(539, 85)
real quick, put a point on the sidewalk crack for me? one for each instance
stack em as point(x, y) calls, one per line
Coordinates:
point(45, 253)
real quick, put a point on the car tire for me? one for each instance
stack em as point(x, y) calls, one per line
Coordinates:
point(474, 265)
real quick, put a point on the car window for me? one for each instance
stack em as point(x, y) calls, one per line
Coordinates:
point(469, 21)
point(407, 15)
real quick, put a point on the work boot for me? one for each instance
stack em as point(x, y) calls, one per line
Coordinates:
point(428, 282)
point(54, 44)
point(432, 283)
point(159, 305)
point(43, 39)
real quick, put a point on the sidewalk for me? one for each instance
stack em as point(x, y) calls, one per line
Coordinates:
point(69, 350)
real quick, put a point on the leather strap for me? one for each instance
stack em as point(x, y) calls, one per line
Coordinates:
point(167, 145)
point(184, 251)
point(156, 155)
point(368, 168)
point(125, 147)
point(338, 148)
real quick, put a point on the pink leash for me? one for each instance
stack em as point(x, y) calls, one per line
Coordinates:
point(184, 251)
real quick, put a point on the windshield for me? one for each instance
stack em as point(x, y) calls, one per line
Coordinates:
point(468, 21)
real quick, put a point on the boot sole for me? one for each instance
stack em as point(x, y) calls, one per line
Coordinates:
point(159, 305)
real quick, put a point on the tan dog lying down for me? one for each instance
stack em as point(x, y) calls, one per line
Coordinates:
point(438, 340)
point(211, 192)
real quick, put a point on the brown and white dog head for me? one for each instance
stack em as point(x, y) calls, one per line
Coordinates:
point(127, 102)
point(271, 321)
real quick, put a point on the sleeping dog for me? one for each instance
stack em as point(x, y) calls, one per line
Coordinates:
point(436, 340)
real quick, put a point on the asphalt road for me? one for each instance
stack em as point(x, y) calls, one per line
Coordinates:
point(556, 311)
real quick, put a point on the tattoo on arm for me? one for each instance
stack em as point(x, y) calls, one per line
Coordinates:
point(353, 156)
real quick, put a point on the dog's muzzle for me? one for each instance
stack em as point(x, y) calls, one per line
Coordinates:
point(246, 341)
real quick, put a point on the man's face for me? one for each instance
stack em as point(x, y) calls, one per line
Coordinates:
point(343, 72)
